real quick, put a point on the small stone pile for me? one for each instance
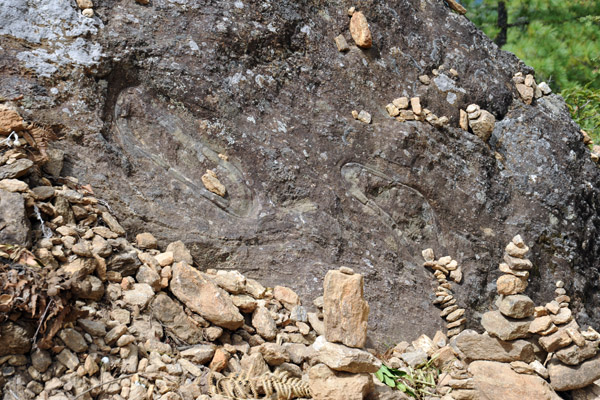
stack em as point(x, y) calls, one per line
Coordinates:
point(86, 7)
point(528, 89)
point(443, 269)
point(511, 320)
point(399, 108)
point(480, 121)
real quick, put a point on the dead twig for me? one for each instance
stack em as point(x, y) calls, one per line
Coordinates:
point(41, 321)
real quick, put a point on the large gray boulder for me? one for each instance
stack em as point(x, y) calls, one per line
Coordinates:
point(146, 98)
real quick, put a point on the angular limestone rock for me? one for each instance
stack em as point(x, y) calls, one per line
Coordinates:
point(198, 292)
point(345, 310)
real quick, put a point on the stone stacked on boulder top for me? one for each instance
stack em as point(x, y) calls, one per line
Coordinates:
point(514, 315)
point(443, 269)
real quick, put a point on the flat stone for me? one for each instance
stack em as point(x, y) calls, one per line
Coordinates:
point(497, 381)
point(563, 316)
point(274, 354)
point(10, 120)
point(199, 354)
point(180, 252)
point(415, 105)
point(115, 333)
point(41, 360)
point(359, 29)
point(341, 358)
point(540, 324)
point(515, 251)
point(590, 392)
point(149, 276)
point(477, 346)
point(19, 168)
point(516, 306)
point(503, 267)
point(345, 309)
point(519, 264)
point(13, 185)
point(505, 328)
point(392, 110)
point(198, 292)
point(566, 377)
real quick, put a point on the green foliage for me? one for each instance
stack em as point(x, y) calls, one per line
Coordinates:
point(416, 382)
point(560, 39)
point(584, 104)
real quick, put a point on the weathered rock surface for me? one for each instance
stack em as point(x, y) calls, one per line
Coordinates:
point(304, 193)
point(497, 381)
point(345, 311)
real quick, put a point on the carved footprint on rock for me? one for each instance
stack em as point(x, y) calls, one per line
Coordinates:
point(401, 208)
point(168, 143)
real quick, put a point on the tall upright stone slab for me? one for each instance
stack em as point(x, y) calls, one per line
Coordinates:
point(344, 307)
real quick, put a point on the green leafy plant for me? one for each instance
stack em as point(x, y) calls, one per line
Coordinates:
point(584, 105)
point(416, 382)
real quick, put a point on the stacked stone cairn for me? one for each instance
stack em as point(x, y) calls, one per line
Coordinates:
point(515, 310)
point(528, 89)
point(443, 269)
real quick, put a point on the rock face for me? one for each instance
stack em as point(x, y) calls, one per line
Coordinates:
point(305, 191)
point(345, 310)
